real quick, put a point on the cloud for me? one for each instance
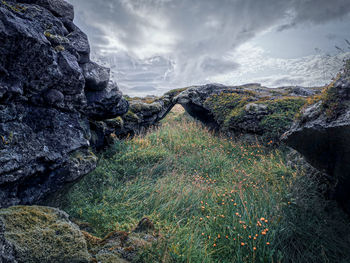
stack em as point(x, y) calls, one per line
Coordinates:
point(191, 38)
point(258, 66)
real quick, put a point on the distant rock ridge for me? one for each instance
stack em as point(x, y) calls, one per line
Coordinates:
point(50, 91)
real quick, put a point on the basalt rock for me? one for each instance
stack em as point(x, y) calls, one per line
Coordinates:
point(143, 113)
point(59, 8)
point(96, 76)
point(249, 111)
point(49, 93)
point(321, 135)
point(106, 103)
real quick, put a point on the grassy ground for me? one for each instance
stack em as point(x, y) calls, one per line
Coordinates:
point(213, 200)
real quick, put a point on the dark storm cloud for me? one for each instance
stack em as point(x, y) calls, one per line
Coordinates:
point(195, 35)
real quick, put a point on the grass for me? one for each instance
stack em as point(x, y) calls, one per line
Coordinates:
point(212, 199)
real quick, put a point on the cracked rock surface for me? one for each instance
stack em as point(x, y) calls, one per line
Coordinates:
point(49, 90)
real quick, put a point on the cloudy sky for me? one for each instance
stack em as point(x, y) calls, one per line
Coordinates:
point(155, 45)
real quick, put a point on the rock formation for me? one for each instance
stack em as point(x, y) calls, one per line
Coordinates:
point(322, 134)
point(143, 113)
point(33, 234)
point(49, 90)
point(249, 111)
point(40, 234)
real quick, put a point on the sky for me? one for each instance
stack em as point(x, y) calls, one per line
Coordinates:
point(153, 46)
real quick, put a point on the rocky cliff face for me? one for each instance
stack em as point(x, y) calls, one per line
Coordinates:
point(49, 90)
point(322, 134)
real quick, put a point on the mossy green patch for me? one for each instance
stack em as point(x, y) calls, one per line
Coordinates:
point(174, 92)
point(281, 115)
point(222, 105)
point(145, 107)
point(332, 101)
point(207, 195)
point(43, 234)
point(116, 123)
point(130, 116)
point(229, 110)
point(147, 100)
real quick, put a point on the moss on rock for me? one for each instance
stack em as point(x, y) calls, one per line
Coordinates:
point(281, 114)
point(174, 92)
point(246, 111)
point(43, 234)
point(223, 105)
point(333, 96)
point(130, 116)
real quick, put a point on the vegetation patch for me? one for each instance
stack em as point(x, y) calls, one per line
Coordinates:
point(43, 234)
point(231, 113)
point(174, 92)
point(211, 199)
point(281, 115)
point(222, 105)
point(15, 8)
point(131, 116)
point(332, 101)
point(147, 100)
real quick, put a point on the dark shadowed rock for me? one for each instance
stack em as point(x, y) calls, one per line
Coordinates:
point(41, 149)
point(44, 103)
point(7, 252)
point(96, 76)
point(106, 103)
point(58, 8)
point(143, 113)
point(322, 135)
point(79, 42)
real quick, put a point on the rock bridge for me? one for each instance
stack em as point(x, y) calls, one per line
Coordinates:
point(208, 103)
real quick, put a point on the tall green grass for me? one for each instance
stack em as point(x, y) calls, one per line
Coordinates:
point(212, 199)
